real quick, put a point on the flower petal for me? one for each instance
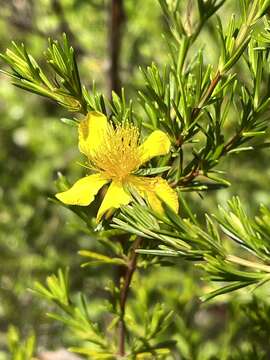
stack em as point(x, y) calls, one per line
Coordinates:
point(91, 132)
point(115, 197)
point(154, 189)
point(83, 191)
point(157, 143)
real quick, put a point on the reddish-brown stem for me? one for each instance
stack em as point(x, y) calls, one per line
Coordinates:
point(191, 176)
point(231, 143)
point(115, 41)
point(195, 172)
point(124, 290)
point(196, 111)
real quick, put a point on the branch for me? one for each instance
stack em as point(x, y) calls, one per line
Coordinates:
point(188, 178)
point(124, 294)
point(115, 41)
point(196, 111)
point(231, 143)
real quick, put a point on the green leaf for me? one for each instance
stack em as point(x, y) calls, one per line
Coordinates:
point(153, 171)
point(95, 354)
point(226, 289)
point(100, 259)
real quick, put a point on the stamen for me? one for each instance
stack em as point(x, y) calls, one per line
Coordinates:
point(118, 155)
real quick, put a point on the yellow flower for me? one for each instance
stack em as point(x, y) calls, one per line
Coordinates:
point(114, 154)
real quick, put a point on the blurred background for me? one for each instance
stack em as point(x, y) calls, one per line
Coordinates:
point(112, 39)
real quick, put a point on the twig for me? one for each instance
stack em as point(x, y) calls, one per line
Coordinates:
point(190, 177)
point(196, 111)
point(230, 144)
point(196, 171)
point(124, 294)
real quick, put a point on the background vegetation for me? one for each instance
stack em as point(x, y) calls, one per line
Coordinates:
point(37, 237)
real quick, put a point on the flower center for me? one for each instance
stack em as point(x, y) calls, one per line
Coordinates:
point(118, 154)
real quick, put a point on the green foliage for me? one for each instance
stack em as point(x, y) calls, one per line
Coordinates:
point(185, 238)
point(173, 99)
point(28, 75)
point(213, 109)
point(76, 315)
point(20, 350)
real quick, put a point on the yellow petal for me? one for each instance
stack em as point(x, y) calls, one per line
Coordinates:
point(154, 189)
point(156, 144)
point(115, 197)
point(83, 191)
point(91, 132)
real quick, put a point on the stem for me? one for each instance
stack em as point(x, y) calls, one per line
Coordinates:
point(191, 176)
point(124, 290)
point(115, 42)
point(243, 37)
point(196, 171)
point(196, 111)
point(231, 143)
point(246, 27)
point(206, 96)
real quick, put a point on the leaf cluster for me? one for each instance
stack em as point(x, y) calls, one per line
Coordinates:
point(20, 350)
point(75, 314)
point(177, 237)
